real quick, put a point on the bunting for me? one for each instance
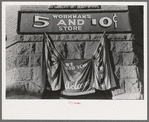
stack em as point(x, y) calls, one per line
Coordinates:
point(78, 76)
point(103, 74)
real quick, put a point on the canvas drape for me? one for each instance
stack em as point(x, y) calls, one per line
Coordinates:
point(78, 76)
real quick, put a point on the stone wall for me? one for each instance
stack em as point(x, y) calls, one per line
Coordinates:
point(24, 58)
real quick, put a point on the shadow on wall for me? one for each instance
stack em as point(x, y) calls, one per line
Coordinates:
point(136, 20)
point(97, 95)
point(113, 66)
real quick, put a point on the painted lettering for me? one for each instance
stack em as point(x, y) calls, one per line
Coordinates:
point(74, 16)
point(81, 66)
point(71, 16)
point(61, 22)
point(115, 22)
point(54, 16)
point(105, 22)
point(88, 16)
point(70, 68)
point(79, 16)
point(73, 86)
point(70, 28)
point(72, 22)
point(80, 22)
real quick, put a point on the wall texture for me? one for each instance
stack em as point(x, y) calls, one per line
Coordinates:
point(24, 57)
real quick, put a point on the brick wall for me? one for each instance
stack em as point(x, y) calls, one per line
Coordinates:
point(23, 58)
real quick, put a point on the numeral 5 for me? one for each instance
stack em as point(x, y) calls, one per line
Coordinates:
point(39, 19)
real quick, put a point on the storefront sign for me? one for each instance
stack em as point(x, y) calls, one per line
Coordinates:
point(81, 22)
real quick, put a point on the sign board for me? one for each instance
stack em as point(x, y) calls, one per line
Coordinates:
point(73, 22)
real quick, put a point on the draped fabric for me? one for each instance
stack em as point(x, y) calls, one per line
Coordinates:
point(104, 76)
point(78, 76)
point(52, 68)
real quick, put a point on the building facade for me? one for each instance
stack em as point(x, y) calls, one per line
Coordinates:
point(24, 53)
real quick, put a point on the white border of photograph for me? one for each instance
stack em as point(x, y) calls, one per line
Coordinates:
point(62, 109)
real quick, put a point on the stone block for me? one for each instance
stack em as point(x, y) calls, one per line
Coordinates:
point(121, 90)
point(122, 83)
point(128, 96)
point(132, 86)
point(57, 37)
point(123, 46)
point(23, 88)
point(121, 37)
point(11, 51)
point(11, 63)
point(53, 36)
point(129, 59)
point(10, 76)
point(29, 48)
point(74, 50)
point(24, 74)
point(86, 37)
point(35, 60)
point(90, 49)
point(128, 87)
point(141, 72)
point(128, 72)
point(35, 38)
point(64, 37)
point(19, 37)
point(12, 39)
point(79, 36)
point(96, 36)
point(118, 59)
point(38, 38)
point(132, 81)
point(33, 48)
point(112, 46)
point(59, 44)
point(22, 61)
point(27, 37)
point(118, 91)
point(39, 46)
point(37, 75)
point(71, 37)
point(136, 87)
point(24, 48)
point(22, 97)
point(117, 71)
point(61, 47)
